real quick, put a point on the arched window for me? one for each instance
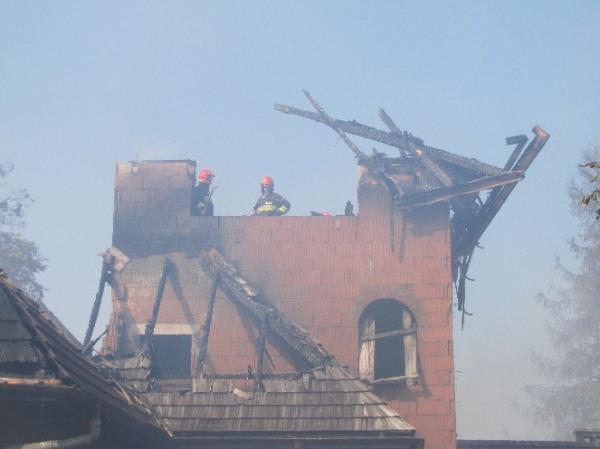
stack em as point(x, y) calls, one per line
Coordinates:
point(388, 343)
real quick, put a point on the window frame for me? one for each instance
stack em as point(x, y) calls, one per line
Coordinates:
point(368, 338)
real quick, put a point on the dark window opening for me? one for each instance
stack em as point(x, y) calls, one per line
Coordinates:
point(388, 349)
point(171, 356)
point(388, 315)
point(389, 357)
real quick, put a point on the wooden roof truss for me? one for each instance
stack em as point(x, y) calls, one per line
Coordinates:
point(453, 179)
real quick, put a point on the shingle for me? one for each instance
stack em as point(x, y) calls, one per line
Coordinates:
point(17, 351)
point(326, 406)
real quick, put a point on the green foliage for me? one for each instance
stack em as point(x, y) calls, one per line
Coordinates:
point(570, 398)
point(19, 258)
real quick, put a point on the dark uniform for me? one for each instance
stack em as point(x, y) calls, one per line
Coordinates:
point(271, 204)
point(201, 200)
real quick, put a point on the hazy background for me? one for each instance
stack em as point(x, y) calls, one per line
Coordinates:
point(86, 84)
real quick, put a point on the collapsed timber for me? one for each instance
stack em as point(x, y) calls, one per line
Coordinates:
point(457, 180)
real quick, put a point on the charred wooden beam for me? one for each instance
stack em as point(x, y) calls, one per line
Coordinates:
point(261, 348)
point(90, 346)
point(393, 139)
point(444, 178)
point(444, 194)
point(203, 343)
point(407, 147)
point(495, 202)
point(396, 333)
point(331, 123)
point(105, 275)
point(463, 268)
point(151, 324)
point(393, 380)
point(242, 293)
point(461, 206)
point(520, 141)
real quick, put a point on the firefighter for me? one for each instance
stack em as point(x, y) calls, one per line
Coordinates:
point(270, 203)
point(202, 197)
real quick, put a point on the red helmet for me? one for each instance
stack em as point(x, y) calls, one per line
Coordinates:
point(267, 181)
point(205, 176)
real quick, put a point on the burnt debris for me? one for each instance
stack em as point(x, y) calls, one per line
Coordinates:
point(436, 176)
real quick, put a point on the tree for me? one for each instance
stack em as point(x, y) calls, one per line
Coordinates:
point(594, 196)
point(574, 328)
point(19, 257)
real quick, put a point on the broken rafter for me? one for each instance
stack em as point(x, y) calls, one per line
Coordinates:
point(90, 346)
point(241, 293)
point(331, 123)
point(260, 353)
point(374, 162)
point(105, 275)
point(393, 139)
point(444, 178)
point(203, 343)
point(461, 206)
point(520, 142)
point(151, 324)
point(493, 204)
point(447, 193)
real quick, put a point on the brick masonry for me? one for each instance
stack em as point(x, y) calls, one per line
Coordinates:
point(321, 272)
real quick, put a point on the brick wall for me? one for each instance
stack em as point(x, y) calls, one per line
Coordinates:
point(319, 271)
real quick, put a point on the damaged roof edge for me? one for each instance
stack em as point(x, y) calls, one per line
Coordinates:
point(392, 139)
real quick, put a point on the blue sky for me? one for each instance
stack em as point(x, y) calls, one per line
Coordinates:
point(86, 84)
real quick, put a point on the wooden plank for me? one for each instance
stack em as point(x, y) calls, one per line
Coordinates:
point(106, 272)
point(86, 350)
point(25, 381)
point(393, 380)
point(203, 341)
point(392, 139)
point(260, 354)
point(410, 345)
point(236, 288)
point(444, 178)
point(444, 194)
point(157, 300)
point(520, 141)
point(366, 358)
point(396, 333)
point(330, 122)
point(494, 202)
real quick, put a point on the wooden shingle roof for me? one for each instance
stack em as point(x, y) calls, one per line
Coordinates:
point(35, 351)
point(322, 400)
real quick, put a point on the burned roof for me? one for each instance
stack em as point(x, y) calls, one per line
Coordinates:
point(35, 351)
point(19, 356)
point(319, 397)
point(321, 400)
point(325, 401)
point(424, 175)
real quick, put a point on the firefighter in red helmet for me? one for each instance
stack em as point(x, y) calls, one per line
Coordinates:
point(270, 203)
point(202, 196)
